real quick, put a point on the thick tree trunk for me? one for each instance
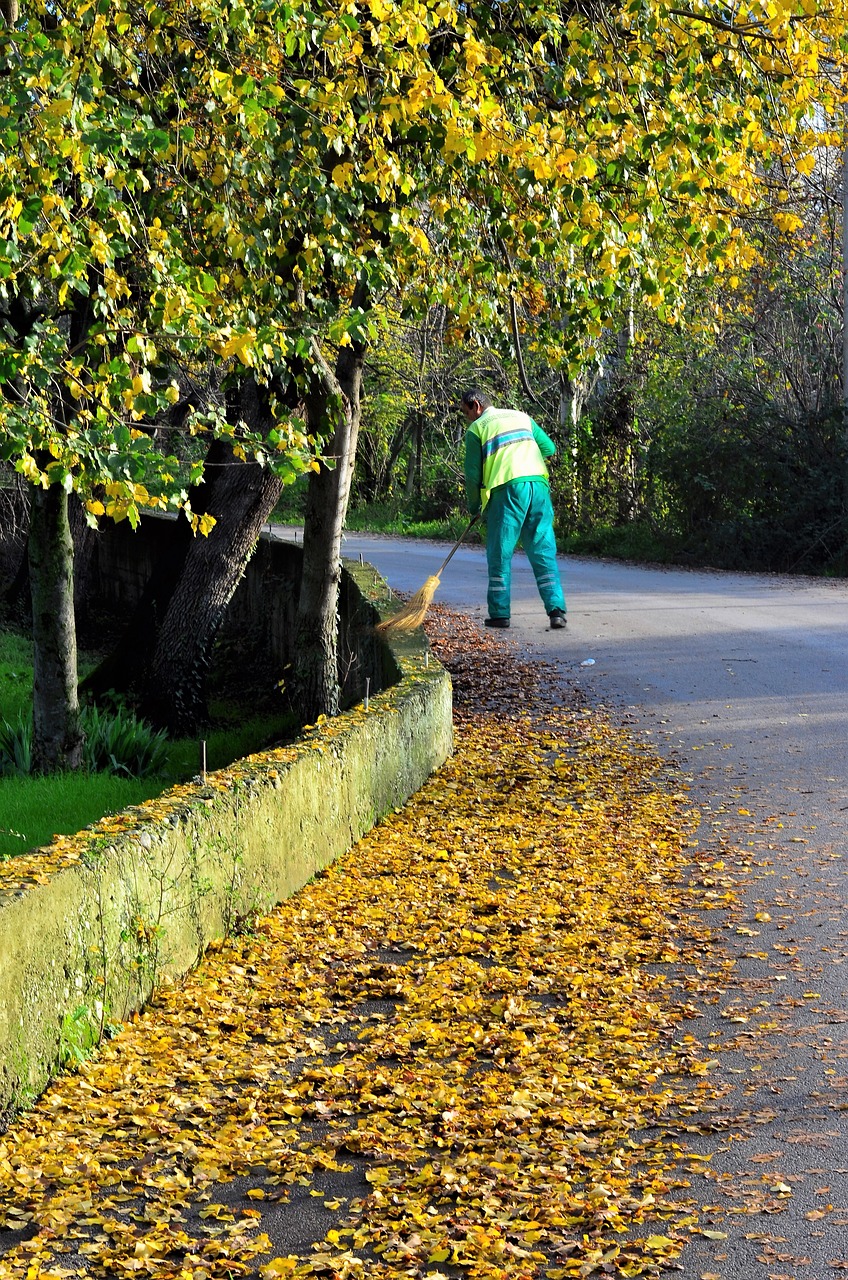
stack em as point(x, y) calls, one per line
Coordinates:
point(175, 694)
point(242, 496)
point(334, 395)
point(57, 737)
point(170, 636)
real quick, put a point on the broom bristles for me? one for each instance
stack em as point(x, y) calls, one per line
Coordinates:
point(413, 613)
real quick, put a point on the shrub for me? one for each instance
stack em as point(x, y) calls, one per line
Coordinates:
point(16, 745)
point(118, 742)
point(115, 742)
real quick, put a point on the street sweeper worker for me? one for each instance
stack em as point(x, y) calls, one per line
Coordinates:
point(506, 478)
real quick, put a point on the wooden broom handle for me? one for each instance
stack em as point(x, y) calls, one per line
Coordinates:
point(455, 546)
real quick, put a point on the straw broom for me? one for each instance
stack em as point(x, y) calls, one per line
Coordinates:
point(413, 613)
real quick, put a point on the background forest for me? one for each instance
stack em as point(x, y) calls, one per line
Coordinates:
point(716, 440)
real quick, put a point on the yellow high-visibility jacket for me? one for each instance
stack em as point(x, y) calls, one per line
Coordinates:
point(503, 445)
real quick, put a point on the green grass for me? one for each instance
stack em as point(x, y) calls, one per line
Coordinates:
point(382, 517)
point(228, 743)
point(635, 541)
point(387, 518)
point(34, 809)
point(292, 503)
point(15, 675)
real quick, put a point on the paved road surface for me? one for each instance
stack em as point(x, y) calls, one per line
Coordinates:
point(744, 680)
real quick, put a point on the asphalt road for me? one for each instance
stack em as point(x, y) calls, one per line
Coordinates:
point(742, 680)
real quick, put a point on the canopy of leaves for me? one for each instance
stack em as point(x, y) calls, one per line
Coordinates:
point(112, 120)
point(199, 181)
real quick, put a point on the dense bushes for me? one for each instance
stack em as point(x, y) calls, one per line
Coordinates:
point(115, 742)
point(728, 477)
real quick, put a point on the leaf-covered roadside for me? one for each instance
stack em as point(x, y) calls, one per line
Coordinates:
point(450, 1055)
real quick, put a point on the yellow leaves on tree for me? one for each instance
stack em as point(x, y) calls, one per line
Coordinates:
point(292, 148)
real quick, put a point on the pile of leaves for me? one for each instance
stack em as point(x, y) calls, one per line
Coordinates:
point(452, 1054)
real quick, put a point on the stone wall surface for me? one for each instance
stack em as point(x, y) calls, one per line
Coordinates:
point(86, 937)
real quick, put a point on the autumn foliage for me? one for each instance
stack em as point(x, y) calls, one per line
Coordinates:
point(198, 182)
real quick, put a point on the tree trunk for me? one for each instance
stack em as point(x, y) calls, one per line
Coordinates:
point(85, 540)
point(416, 457)
point(366, 479)
point(164, 653)
point(316, 662)
point(175, 692)
point(332, 395)
point(624, 427)
point(395, 450)
point(57, 737)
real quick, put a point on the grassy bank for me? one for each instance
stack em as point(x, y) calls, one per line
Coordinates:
point(33, 809)
point(637, 542)
point(386, 518)
point(397, 516)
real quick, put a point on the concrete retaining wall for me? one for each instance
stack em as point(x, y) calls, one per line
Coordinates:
point(89, 927)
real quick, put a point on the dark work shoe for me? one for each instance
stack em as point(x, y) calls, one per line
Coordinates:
point(496, 622)
point(558, 620)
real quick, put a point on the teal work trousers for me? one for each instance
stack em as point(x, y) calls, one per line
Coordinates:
point(521, 509)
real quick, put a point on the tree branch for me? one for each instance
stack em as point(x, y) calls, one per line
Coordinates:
point(740, 29)
point(519, 354)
